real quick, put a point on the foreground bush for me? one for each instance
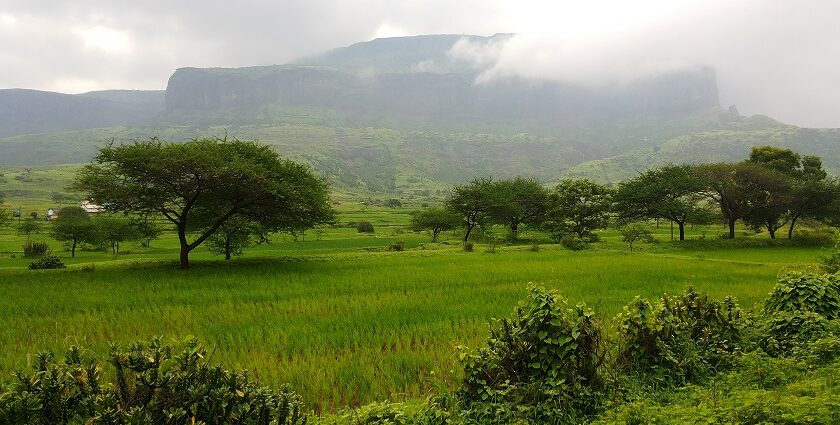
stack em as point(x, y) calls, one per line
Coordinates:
point(806, 292)
point(152, 386)
point(547, 355)
point(683, 338)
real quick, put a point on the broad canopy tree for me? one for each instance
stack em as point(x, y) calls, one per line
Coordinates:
point(201, 184)
point(435, 220)
point(474, 204)
point(669, 193)
point(73, 227)
point(519, 201)
point(578, 207)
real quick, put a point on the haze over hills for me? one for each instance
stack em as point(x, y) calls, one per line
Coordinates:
point(402, 113)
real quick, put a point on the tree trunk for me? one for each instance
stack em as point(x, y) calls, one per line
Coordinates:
point(469, 230)
point(185, 247)
point(731, 223)
point(514, 228)
point(792, 223)
point(672, 229)
point(435, 232)
point(227, 249)
point(772, 232)
point(73, 249)
point(682, 230)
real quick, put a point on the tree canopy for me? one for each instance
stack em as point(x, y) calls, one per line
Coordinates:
point(201, 184)
point(578, 207)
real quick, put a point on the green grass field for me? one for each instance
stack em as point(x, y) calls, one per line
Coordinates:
point(336, 315)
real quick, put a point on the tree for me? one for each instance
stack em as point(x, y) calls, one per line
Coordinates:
point(669, 193)
point(473, 203)
point(721, 186)
point(235, 235)
point(393, 203)
point(519, 201)
point(782, 160)
point(147, 230)
point(634, 232)
point(73, 227)
point(201, 184)
point(28, 227)
point(768, 194)
point(810, 195)
point(435, 220)
point(578, 207)
point(113, 230)
point(5, 215)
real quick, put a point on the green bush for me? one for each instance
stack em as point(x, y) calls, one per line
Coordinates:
point(48, 262)
point(151, 386)
point(785, 333)
point(574, 243)
point(35, 249)
point(684, 338)
point(547, 354)
point(806, 291)
point(469, 246)
point(364, 227)
point(397, 246)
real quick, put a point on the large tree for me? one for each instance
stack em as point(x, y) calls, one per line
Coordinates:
point(474, 203)
point(722, 185)
point(669, 193)
point(810, 195)
point(73, 227)
point(578, 207)
point(201, 184)
point(768, 194)
point(519, 201)
point(435, 220)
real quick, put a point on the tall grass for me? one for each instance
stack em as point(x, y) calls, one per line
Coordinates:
point(345, 330)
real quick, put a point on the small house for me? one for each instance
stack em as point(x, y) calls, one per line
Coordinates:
point(91, 208)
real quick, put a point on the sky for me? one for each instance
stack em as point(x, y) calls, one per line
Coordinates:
point(772, 57)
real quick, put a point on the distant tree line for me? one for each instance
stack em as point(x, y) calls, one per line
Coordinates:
point(772, 189)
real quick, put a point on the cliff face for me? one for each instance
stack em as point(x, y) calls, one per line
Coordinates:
point(432, 97)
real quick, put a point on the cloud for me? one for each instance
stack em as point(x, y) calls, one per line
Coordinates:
point(776, 58)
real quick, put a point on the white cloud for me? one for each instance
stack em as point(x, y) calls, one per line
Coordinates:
point(105, 39)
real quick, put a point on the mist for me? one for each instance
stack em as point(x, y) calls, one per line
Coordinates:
point(774, 58)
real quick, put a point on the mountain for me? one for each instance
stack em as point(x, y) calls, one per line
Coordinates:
point(401, 115)
point(31, 111)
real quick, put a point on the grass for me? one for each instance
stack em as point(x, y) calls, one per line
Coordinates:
point(343, 325)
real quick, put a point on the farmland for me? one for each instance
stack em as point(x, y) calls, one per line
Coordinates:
point(336, 315)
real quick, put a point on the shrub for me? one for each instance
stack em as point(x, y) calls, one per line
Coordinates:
point(48, 262)
point(469, 246)
point(397, 246)
point(546, 354)
point(805, 291)
point(574, 243)
point(364, 227)
point(535, 246)
point(784, 333)
point(684, 338)
point(151, 385)
point(35, 249)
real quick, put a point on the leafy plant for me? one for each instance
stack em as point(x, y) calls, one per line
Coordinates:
point(364, 227)
point(547, 353)
point(152, 385)
point(683, 338)
point(47, 262)
point(35, 249)
point(574, 243)
point(806, 291)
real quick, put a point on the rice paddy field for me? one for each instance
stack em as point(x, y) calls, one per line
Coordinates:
point(334, 313)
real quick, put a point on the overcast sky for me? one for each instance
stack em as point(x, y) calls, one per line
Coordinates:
point(780, 58)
